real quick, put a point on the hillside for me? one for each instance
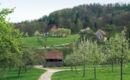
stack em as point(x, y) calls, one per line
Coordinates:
point(51, 41)
point(94, 16)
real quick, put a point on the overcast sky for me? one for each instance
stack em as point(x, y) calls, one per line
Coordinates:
point(34, 9)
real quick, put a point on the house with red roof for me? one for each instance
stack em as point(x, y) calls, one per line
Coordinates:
point(101, 35)
point(53, 59)
point(54, 27)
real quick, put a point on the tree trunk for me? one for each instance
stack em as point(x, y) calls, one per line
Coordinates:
point(112, 66)
point(25, 69)
point(71, 68)
point(84, 66)
point(95, 72)
point(75, 68)
point(84, 70)
point(121, 69)
point(19, 72)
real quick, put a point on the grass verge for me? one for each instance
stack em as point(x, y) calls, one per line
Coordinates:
point(31, 74)
point(103, 73)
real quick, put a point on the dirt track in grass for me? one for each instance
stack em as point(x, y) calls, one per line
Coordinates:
point(49, 72)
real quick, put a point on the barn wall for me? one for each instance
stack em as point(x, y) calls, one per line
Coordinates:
point(53, 63)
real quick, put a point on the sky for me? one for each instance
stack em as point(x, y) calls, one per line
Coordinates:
point(34, 9)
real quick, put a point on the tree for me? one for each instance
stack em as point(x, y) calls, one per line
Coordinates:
point(87, 34)
point(83, 48)
point(121, 46)
point(30, 57)
point(122, 49)
point(111, 30)
point(110, 52)
point(95, 54)
point(78, 26)
point(42, 41)
point(74, 58)
point(10, 42)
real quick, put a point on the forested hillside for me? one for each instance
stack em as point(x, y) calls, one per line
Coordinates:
point(94, 16)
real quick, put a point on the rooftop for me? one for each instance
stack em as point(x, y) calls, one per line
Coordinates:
point(54, 55)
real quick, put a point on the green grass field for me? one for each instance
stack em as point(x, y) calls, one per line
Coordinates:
point(32, 41)
point(31, 74)
point(102, 74)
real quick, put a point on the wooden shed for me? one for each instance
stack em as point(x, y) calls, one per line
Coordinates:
point(53, 59)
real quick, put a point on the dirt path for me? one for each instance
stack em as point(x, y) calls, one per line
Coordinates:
point(49, 72)
point(56, 46)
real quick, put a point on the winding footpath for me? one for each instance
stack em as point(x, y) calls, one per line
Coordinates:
point(49, 72)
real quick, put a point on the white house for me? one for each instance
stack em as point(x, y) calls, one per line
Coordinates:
point(101, 35)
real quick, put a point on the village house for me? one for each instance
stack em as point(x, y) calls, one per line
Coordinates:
point(53, 59)
point(46, 32)
point(101, 35)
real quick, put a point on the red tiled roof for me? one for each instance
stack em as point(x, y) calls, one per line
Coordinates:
point(101, 31)
point(54, 55)
point(54, 27)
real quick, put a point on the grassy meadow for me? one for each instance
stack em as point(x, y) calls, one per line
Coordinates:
point(31, 74)
point(103, 73)
point(51, 41)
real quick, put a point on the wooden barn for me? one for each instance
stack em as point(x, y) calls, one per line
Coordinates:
point(53, 59)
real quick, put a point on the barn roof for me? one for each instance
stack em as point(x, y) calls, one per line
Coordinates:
point(54, 55)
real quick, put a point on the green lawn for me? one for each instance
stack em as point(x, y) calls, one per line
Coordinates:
point(31, 74)
point(102, 74)
point(32, 41)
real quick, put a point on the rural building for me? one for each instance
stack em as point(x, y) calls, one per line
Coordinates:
point(53, 27)
point(53, 59)
point(101, 35)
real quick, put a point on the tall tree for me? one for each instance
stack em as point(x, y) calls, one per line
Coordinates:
point(78, 26)
point(95, 54)
point(122, 49)
point(10, 42)
point(110, 52)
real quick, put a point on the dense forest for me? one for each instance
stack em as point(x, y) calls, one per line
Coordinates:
point(110, 17)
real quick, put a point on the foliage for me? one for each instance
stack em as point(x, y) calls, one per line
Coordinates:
point(10, 46)
point(85, 52)
point(87, 34)
point(112, 30)
point(110, 52)
point(38, 56)
point(120, 49)
point(96, 56)
point(60, 32)
point(42, 41)
point(74, 58)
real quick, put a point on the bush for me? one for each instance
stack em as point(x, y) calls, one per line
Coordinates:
point(60, 32)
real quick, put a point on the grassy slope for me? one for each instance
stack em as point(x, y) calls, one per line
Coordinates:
point(31, 74)
point(102, 74)
point(32, 41)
